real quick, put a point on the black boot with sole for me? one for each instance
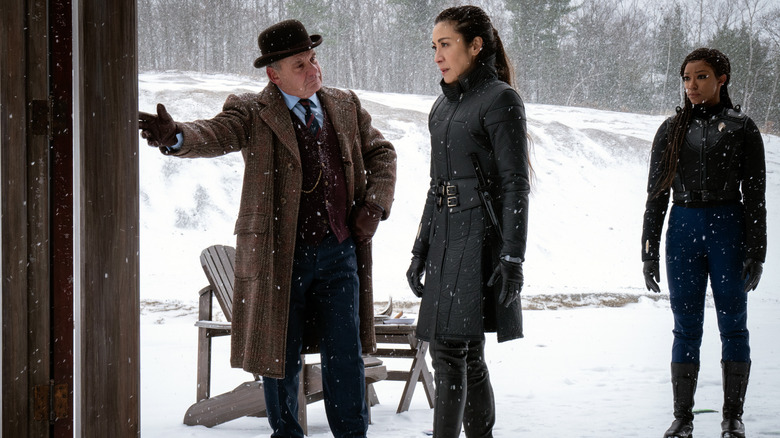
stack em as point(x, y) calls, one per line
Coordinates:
point(735, 381)
point(684, 377)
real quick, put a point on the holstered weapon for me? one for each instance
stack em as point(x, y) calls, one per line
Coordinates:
point(483, 189)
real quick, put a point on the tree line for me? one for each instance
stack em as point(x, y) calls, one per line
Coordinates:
point(621, 55)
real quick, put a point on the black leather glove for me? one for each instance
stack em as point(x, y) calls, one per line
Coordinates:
point(651, 270)
point(512, 274)
point(414, 276)
point(365, 221)
point(158, 130)
point(752, 270)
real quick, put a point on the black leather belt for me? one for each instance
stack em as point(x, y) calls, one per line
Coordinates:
point(457, 195)
point(707, 196)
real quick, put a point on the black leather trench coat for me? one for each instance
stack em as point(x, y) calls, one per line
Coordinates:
point(484, 116)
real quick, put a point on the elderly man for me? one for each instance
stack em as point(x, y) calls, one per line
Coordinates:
point(318, 179)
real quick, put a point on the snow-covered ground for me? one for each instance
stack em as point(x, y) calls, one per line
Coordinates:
point(595, 359)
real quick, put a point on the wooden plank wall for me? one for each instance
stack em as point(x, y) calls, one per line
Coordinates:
point(38, 215)
point(37, 136)
point(13, 183)
point(107, 133)
point(26, 264)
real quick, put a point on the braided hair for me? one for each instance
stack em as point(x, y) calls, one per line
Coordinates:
point(679, 125)
point(472, 22)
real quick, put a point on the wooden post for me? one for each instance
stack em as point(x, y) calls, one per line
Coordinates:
point(108, 216)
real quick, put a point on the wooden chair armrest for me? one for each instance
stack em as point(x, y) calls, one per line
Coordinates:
point(215, 325)
point(204, 290)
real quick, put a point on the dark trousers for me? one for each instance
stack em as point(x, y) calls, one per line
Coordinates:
point(704, 243)
point(324, 287)
point(464, 395)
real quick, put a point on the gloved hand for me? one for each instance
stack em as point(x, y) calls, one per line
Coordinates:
point(651, 270)
point(414, 276)
point(752, 270)
point(365, 221)
point(158, 130)
point(512, 274)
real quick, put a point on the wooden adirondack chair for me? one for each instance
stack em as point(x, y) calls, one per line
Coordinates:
point(247, 399)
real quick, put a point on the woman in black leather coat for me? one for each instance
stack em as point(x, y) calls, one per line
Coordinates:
point(710, 156)
point(479, 119)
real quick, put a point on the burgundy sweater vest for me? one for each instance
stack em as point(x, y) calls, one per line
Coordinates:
point(323, 206)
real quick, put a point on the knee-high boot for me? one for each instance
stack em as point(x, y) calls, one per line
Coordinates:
point(479, 415)
point(449, 364)
point(684, 377)
point(735, 381)
point(450, 404)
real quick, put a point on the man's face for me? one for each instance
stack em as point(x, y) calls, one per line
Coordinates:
point(298, 75)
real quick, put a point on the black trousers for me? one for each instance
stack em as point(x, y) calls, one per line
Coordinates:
point(325, 287)
point(464, 395)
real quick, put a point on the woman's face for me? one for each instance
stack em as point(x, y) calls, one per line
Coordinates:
point(701, 85)
point(452, 55)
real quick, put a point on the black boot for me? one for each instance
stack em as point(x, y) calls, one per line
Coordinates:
point(449, 364)
point(735, 381)
point(479, 415)
point(684, 377)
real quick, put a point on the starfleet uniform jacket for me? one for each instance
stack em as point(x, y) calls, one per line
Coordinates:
point(720, 162)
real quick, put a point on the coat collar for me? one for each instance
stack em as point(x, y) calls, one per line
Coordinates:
point(339, 111)
point(471, 80)
point(276, 115)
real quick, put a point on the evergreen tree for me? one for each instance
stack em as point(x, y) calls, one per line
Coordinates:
point(745, 81)
point(538, 29)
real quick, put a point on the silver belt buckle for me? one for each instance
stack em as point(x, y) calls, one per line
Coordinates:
point(452, 195)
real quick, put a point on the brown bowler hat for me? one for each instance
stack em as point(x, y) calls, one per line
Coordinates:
point(284, 39)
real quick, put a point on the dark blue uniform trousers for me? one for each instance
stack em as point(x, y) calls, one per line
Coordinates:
point(325, 287)
point(701, 243)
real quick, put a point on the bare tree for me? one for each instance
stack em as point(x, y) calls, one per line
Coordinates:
point(609, 54)
point(770, 24)
point(749, 14)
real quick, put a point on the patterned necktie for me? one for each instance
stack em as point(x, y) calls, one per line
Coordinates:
point(311, 121)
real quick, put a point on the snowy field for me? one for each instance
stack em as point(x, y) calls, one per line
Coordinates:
point(595, 359)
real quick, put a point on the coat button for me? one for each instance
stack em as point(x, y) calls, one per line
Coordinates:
point(283, 201)
point(290, 166)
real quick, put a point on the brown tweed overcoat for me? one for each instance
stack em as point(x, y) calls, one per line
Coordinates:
point(260, 126)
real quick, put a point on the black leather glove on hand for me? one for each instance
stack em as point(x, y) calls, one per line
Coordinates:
point(365, 221)
point(651, 270)
point(158, 130)
point(414, 276)
point(752, 270)
point(512, 275)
